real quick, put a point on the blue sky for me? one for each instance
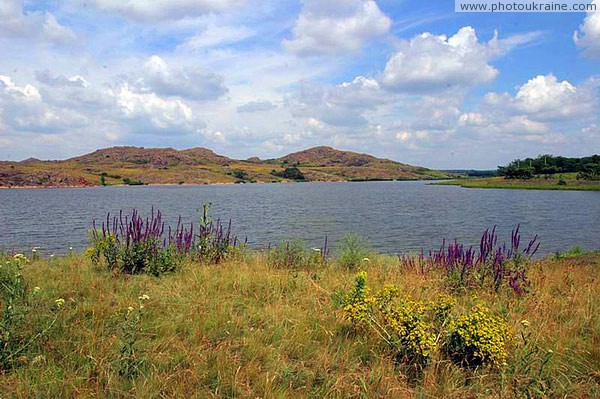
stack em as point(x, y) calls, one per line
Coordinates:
point(408, 80)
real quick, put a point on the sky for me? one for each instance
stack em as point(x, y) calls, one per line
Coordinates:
point(408, 80)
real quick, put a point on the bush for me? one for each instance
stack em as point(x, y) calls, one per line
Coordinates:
point(570, 253)
point(408, 327)
point(291, 173)
point(133, 245)
point(294, 255)
point(353, 252)
point(412, 329)
point(214, 241)
point(478, 339)
point(493, 265)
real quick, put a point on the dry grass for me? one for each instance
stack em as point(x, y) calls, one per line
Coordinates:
point(243, 329)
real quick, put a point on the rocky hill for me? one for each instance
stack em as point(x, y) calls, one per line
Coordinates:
point(138, 165)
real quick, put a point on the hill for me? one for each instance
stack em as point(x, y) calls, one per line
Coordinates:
point(139, 165)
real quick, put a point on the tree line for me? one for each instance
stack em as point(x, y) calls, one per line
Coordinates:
point(587, 168)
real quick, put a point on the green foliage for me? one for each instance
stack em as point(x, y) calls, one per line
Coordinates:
point(132, 182)
point(570, 253)
point(562, 182)
point(147, 256)
point(130, 361)
point(291, 173)
point(478, 339)
point(294, 255)
point(214, 243)
point(530, 371)
point(240, 174)
point(358, 304)
point(353, 252)
point(16, 308)
point(102, 180)
point(412, 329)
point(589, 171)
point(408, 327)
point(548, 165)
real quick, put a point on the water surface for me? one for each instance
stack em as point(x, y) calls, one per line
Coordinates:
point(394, 216)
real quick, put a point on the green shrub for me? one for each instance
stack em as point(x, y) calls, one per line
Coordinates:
point(353, 252)
point(291, 173)
point(214, 242)
point(570, 253)
point(406, 326)
point(294, 255)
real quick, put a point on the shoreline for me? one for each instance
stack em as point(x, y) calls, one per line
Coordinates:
point(219, 184)
point(472, 184)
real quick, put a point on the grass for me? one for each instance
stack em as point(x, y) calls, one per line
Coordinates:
point(531, 184)
point(244, 328)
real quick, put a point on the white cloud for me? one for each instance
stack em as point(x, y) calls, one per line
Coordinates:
point(154, 10)
point(341, 105)
point(190, 83)
point(14, 22)
point(215, 36)
point(155, 114)
point(47, 78)
point(471, 119)
point(23, 108)
point(588, 35)
point(544, 98)
point(256, 106)
point(404, 136)
point(432, 63)
point(55, 32)
point(328, 26)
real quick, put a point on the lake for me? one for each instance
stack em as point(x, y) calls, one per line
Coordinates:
point(394, 216)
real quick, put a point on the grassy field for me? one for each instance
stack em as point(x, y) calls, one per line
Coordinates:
point(531, 184)
point(244, 328)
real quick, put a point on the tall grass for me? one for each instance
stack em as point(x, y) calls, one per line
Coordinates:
point(247, 329)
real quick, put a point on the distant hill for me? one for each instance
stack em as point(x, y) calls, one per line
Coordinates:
point(138, 165)
point(327, 156)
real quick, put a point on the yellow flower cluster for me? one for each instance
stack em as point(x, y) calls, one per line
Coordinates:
point(478, 338)
point(442, 307)
point(412, 328)
point(404, 324)
point(358, 302)
point(407, 321)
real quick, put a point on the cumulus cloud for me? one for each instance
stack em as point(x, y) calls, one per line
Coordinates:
point(22, 108)
point(256, 106)
point(144, 10)
point(190, 83)
point(153, 114)
point(14, 22)
point(430, 62)
point(544, 97)
point(341, 105)
point(327, 26)
point(588, 35)
point(55, 32)
point(47, 78)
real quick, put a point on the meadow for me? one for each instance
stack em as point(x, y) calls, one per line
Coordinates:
point(566, 181)
point(198, 314)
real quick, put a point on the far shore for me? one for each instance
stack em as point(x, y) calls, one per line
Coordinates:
point(214, 184)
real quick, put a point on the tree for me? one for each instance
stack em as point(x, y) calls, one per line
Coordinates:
point(291, 173)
